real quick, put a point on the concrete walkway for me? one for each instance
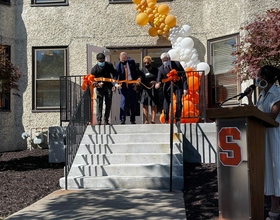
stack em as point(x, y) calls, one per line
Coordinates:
point(106, 204)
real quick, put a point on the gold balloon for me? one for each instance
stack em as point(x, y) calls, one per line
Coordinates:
point(153, 32)
point(142, 19)
point(170, 20)
point(163, 9)
point(151, 1)
point(136, 1)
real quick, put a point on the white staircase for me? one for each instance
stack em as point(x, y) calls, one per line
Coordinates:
point(127, 157)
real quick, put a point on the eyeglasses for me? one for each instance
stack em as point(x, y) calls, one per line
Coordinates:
point(146, 63)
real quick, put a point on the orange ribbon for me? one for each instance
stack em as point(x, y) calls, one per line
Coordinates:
point(172, 76)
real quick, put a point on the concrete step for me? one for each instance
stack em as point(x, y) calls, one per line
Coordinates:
point(129, 158)
point(129, 148)
point(130, 138)
point(129, 129)
point(128, 182)
point(148, 170)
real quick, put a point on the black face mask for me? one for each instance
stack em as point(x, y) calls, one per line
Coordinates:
point(124, 62)
point(147, 66)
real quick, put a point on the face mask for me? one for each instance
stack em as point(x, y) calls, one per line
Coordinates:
point(101, 64)
point(166, 63)
point(259, 83)
point(147, 66)
point(124, 62)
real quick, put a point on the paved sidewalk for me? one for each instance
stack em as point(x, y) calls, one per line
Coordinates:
point(106, 204)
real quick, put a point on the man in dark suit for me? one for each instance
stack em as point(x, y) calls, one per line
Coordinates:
point(180, 87)
point(126, 70)
point(103, 89)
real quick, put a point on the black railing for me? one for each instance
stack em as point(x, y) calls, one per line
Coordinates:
point(75, 131)
point(70, 95)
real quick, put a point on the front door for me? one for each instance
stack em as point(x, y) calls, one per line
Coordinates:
point(113, 57)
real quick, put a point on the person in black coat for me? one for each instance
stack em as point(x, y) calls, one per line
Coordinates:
point(180, 87)
point(126, 70)
point(149, 96)
point(103, 89)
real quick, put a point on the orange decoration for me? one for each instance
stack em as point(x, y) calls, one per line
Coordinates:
point(163, 9)
point(161, 117)
point(187, 106)
point(193, 83)
point(142, 19)
point(170, 20)
point(153, 32)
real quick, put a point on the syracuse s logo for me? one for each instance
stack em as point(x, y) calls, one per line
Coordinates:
point(236, 158)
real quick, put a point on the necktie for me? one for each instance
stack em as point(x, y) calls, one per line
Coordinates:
point(169, 68)
point(126, 75)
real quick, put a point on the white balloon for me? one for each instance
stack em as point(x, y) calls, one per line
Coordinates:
point(187, 52)
point(173, 54)
point(202, 66)
point(179, 39)
point(194, 50)
point(194, 57)
point(187, 30)
point(187, 43)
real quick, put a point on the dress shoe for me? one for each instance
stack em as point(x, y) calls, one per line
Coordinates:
point(99, 123)
point(122, 122)
point(133, 122)
point(106, 123)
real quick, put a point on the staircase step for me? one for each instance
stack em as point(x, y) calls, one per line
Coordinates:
point(128, 129)
point(148, 170)
point(129, 148)
point(130, 138)
point(129, 158)
point(128, 182)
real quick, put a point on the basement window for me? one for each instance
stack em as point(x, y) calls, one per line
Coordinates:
point(49, 2)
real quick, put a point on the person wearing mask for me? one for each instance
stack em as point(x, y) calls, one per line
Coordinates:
point(149, 96)
point(269, 102)
point(103, 89)
point(180, 87)
point(126, 70)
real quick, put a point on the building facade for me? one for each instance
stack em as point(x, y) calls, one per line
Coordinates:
point(48, 39)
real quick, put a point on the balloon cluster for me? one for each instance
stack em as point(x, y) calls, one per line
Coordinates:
point(157, 16)
point(190, 102)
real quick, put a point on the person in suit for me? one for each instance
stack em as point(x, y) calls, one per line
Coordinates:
point(180, 87)
point(103, 89)
point(126, 70)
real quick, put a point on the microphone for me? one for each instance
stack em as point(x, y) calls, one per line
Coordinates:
point(247, 91)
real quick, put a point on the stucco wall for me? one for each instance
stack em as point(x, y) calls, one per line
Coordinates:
point(98, 23)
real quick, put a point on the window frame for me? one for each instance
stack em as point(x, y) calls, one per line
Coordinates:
point(211, 76)
point(50, 3)
point(130, 1)
point(7, 99)
point(34, 76)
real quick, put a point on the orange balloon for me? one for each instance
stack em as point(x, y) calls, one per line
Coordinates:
point(195, 98)
point(163, 9)
point(142, 19)
point(151, 5)
point(189, 120)
point(136, 1)
point(193, 83)
point(153, 1)
point(170, 20)
point(174, 97)
point(187, 106)
point(161, 118)
point(153, 32)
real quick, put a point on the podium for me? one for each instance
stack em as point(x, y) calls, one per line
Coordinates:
point(240, 160)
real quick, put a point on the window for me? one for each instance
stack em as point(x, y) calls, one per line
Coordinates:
point(224, 84)
point(7, 2)
point(48, 65)
point(5, 98)
point(130, 1)
point(49, 2)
